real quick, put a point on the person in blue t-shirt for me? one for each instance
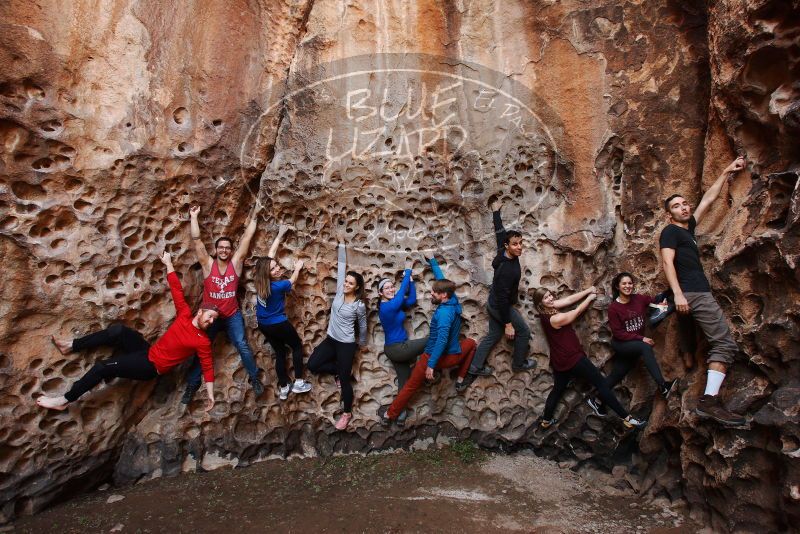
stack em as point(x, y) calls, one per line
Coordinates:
point(272, 321)
point(393, 302)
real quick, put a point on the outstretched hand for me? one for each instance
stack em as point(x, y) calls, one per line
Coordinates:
point(210, 403)
point(194, 211)
point(495, 204)
point(737, 165)
point(166, 258)
point(298, 266)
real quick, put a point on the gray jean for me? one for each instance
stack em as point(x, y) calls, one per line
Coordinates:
point(402, 355)
point(522, 336)
point(707, 314)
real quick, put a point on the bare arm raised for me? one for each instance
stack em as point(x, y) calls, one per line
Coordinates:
point(199, 248)
point(572, 299)
point(244, 244)
point(273, 250)
point(298, 266)
point(713, 192)
point(565, 318)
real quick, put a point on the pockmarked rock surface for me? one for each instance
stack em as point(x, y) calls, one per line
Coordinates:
point(400, 120)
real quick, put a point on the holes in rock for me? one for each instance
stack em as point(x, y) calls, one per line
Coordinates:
point(184, 147)
point(217, 122)
point(42, 164)
point(180, 115)
point(73, 184)
point(88, 292)
point(33, 91)
point(53, 385)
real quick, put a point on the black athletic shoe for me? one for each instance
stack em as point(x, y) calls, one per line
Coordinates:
point(527, 365)
point(668, 387)
point(383, 417)
point(188, 394)
point(659, 313)
point(599, 408)
point(258, 387)
point(464, 384)
point(401, 419)
point(481, 371)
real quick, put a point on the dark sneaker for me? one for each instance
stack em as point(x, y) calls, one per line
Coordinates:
point(527, 365)
point(547, 423)
point(668, 387)
point(598, 407)
point(383, 417)
point(401, 419)
point(464, 384)
point(658, 313)
point(709, 407)
point(481, 371)
point(258, 387)
point(631, 422)
point(188, 394)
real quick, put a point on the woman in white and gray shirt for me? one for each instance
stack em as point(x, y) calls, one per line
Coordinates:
point(348, 321)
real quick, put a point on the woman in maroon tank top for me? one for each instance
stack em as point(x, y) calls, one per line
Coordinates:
point(567, 357)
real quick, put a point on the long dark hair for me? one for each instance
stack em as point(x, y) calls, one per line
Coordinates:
point(360, 293)
point(262, 278)
point(616, 281)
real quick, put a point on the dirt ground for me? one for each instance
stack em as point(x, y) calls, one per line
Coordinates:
point(454, 489)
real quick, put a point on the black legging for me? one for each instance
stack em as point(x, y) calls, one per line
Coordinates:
point(626, 357)
point(583, 369)
point(128, 360)
point(279, 336)
point(335, 358)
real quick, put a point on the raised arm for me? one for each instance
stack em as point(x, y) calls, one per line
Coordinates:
point(181, 308)
point(273, 249)
point(499, 229)
point(565, 318)
point(199, 247)
point(244, 244)
point(572, 299)
point(437, 271)
point(411, 297)
point(713, 192)
point(298, 266)
point(341, 267)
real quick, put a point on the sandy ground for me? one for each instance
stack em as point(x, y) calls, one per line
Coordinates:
point(458, 489)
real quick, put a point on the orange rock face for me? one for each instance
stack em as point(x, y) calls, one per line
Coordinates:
point(400, 120)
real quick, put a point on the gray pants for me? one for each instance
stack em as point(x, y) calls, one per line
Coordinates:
point(706, 313)
point(402, 355)
point(522, 336)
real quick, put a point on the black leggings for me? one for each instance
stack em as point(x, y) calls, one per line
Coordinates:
point(627, 356)
point(279, 336)
point(335, 358)
point(583, 369)
point(128, 360)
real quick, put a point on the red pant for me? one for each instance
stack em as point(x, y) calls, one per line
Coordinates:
point(417, 378)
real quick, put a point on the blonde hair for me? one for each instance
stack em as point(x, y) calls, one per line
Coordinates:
point(262, 277)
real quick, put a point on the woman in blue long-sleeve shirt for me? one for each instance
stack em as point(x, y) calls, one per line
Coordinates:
point(392, 306)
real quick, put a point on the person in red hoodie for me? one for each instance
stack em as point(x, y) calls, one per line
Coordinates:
point(627, 315)
point(133, 357)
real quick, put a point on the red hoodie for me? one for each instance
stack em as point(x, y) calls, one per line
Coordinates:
point(627, 321)
point(182, 339)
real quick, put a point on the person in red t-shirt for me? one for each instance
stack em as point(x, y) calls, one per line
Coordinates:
point(133, 357)
point(221, 282)
point(627, 317)
point(567, 357)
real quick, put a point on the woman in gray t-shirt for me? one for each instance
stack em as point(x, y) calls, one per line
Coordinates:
point(348, 320)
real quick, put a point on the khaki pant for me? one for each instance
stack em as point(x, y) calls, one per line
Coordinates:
point(707, 314)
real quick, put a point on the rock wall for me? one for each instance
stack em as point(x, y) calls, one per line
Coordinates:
point(399, 120)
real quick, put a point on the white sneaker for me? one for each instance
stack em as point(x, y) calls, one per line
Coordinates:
point(283, 393)
point(301, 386)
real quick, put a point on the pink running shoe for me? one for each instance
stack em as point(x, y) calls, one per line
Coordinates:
point(343, 421)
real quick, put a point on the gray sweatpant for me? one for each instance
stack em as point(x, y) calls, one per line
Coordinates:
point(522, 336)
point(402, 355)
point(707, 314)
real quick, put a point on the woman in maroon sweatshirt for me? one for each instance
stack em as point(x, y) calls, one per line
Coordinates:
point(567, 357)
point(627, 318)
point(135, 358)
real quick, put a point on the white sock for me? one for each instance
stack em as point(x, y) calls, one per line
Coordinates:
point(713, 382)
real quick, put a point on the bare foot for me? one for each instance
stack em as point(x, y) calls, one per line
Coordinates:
point(64, 347)
point(53, 403)
point(688, 359)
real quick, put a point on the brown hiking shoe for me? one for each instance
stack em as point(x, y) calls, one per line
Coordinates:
point(709, 407)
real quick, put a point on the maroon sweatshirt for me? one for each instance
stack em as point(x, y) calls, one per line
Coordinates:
point(627, 321)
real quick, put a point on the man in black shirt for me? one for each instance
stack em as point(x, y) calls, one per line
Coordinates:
point(503, 318)
point(684, 272)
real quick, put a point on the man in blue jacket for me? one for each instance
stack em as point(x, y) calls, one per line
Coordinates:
point(443, 349)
